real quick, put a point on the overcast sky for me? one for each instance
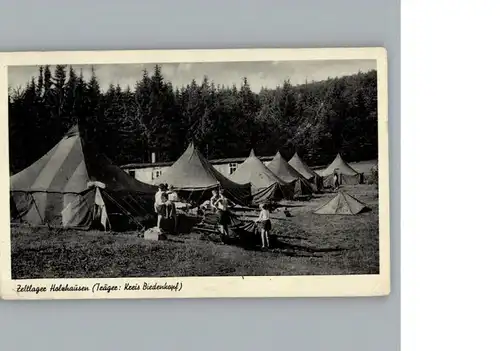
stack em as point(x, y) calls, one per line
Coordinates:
point(259, 74)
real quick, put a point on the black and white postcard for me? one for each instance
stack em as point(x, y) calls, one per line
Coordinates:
point(194, 173)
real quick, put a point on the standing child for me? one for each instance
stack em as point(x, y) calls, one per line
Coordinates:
point(171, 212)
point(214, 198)
point(264, 222)
point(159, 205)
point(222, 204)
point(336, 184)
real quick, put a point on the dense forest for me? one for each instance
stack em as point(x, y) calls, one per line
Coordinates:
point(316, 119)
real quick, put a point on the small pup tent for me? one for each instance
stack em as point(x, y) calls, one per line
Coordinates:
point(346, 174)
point(194, 177)
point(342, 204)
point(287, 173)
point(72, 187)
point(265, 185)
point(301, 167)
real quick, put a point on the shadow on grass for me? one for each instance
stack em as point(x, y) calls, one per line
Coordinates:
point(320, 194)
point(175, 240)
point(289, 205)
point(252, 242)
point(290, 236)
point(274, 242)
point(365, 210)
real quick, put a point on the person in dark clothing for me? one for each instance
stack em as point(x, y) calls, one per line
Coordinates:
point(221, 203)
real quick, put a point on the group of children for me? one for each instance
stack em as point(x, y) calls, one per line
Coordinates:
point(165, 209)
point(221, 204)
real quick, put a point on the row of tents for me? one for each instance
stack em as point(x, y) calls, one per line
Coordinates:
point(253, 181)
point(73, 187)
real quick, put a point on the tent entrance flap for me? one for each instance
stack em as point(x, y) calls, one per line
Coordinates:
point(79, 211)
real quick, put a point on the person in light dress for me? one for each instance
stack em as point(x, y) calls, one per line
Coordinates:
point(159, 205)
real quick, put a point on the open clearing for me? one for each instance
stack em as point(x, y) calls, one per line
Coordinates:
point(304, 244)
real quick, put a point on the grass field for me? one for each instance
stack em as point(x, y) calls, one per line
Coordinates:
point(302, 244)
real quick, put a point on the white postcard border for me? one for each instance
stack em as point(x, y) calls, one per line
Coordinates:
point(198, 287)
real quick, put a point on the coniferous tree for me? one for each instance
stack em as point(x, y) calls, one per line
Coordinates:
point(40, 82)
point(248, 105)
point(316, 119)
point(70, 102)
point(57, 114)
point(91, 120)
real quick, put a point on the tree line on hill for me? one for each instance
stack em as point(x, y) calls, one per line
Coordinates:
point(317, 119)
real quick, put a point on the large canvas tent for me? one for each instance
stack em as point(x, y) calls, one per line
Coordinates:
point(342, 204)
point(346, 174)
point(265, 185)
point(194, 177)
point(287, 173)
point(73, 187)
point(301, 167)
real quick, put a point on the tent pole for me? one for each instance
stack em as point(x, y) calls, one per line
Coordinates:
point(107, 221)
point(123, 209)
point(137, 203)
point(38, 211)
